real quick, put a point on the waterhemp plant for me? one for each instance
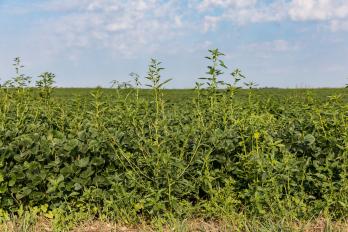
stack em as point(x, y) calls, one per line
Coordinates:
point(214, 70)
point(156, 83)
point(45, 84)
point(136, 78)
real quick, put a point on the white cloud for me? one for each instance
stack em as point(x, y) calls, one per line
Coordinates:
point(210, 22)
point(209, 4)
point(248, 12)
point(124, 26)
point(269, 13)
point(338, 25)
point(253, 11)
point(334, 13)
point(273, 46)
point(304, 10)
point(128, 26)
point(118, 26)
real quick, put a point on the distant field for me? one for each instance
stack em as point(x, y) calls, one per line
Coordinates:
point(186, 94)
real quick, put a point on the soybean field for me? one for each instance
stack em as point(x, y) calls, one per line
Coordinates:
point(217, 157)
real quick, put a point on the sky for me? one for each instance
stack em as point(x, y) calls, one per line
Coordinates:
point(88, 43)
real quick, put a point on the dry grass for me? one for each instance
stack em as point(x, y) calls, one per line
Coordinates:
point(45, 225)
point(321, 224)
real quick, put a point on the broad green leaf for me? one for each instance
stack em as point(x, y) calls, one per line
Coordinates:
point(82, 163)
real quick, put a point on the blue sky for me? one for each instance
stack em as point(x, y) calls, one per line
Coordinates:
point(278, 43)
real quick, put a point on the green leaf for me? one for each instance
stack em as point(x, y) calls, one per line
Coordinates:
point(222, 64)
point(3, 188)
point(24, 192)
point(309, 139)
point(82, 163)
point(60, 179)
point(67, 170)
point(12, 182)
point(97, 161)
point(77, 186)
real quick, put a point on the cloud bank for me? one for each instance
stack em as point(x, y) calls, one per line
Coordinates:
point(126, 26)
point(257, 11)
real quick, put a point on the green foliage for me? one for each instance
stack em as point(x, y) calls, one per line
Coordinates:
point(45, 84)
point(20, 80)
point(135, 154)
point(214, 70)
